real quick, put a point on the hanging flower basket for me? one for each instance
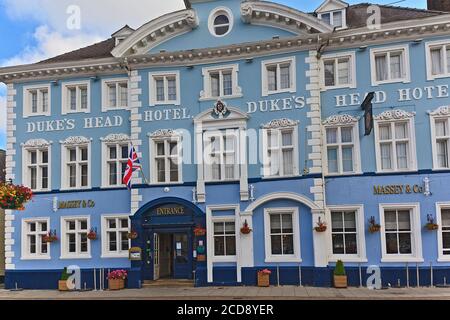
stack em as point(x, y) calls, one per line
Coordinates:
point(133, 235)
point(92, 235)
point(431, 224)
point(321, 226)
point(50, 237)
point(199, 231)
point(245, 228)
point(14, 197)
point(374, 227)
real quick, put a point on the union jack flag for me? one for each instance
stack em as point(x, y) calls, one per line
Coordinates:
point(132, 165)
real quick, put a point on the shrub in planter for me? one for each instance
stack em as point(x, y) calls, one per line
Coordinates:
point(340, 277)
point(62, 283)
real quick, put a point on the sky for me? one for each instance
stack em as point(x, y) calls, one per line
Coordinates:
point(33, 30)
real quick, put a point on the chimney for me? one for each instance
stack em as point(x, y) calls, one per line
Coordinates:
point(439, 5)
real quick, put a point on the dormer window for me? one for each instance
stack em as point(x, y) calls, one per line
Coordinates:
point(334, 18)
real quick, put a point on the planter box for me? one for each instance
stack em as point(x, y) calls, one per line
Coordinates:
point(340, 282)
point(263, 280)
point(62, 285)
point(116, 284)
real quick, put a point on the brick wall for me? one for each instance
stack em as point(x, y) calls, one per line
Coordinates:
point(439, 5)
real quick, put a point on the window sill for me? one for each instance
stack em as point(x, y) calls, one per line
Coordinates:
point(75, 112)
point(209, 98)
point(229, 259)
point(36, 115)
point(35, 258)
point(269, 93)
point(115, 256)
point(335, 259)
point(280, 177)
point(396, 171)
point(401, 259)
point(164, 103)
point(84, 257)
point(163, 184)
point(346, 86)
point(108, 109)
point(438, 76)
point(343, 174)
point(443, 259)
point(283, 260)
point(380, 83)
point(75, 189)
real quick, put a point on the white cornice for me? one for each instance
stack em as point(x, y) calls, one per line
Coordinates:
point(72, 141)
point(268, 13)
point(163, 133)
point(157, 31)
point(395, 115)
point(342, 119)
point(280, 123)
point(36, 143)
point(354, 38)
point(116, 137)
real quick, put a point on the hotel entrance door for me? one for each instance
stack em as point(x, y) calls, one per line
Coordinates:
point(171, 258)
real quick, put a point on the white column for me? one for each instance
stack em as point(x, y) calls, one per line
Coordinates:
point(245, 254)
point(243, 164)
point(320, 241)
point(201, 192)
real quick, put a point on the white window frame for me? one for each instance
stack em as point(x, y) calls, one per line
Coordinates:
point(223, 219)
point(412, 145)
point(295, 142)
point(206, 93)
point(416, 233)
point(65, 182)
point(27, 101)
point(105, 245)
point(270, 258)
point(406, 76)
point(65, 254)
point(439, 207)
point(153, 152)
point(339, 145)
point(352, 70)
point(24, 242)
point(221, 133)
point(152, 76)
point(434, 45)
point(105, 93)
point(26, 178)
point(433, 120)
point(118, 161)
point(331, 13)
point(293, 75)
point(360, 234)
point(218, 12)
point(65, 97)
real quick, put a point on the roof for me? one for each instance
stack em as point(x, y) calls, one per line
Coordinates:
point(356, 18)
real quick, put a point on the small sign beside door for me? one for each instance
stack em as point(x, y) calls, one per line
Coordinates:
point(135, 254)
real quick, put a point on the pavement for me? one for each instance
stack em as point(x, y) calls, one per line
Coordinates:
point(236, 293)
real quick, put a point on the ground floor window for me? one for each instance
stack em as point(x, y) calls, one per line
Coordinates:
point(282, 234)
point(75, 242)
point(344, 232)
point(224, 238)
point(443, 220)
point(33, 245)
point(115, 242)
point(401, 232)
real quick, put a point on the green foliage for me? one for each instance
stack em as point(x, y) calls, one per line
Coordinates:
point(65, 275)
point(339, 270)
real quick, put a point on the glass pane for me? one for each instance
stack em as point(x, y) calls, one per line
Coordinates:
point(436, 61)
point(219, 246)
point(441, 128)
point(386, 161)
point(84, 98)
point(276, 245)
point(33, 157)
point(112, 152)
point(402, 155)
point(230, 228)
point(72, 176)
point(351, 245)
point(227, 84)
point(329, 73)
point(172, 88)
point(160, 150)
point(44, 101)
point(350, 221)
point(124, 223)
point(326, 17)
point(73, 99)
point(446, 240)
point(32, 226)
point(381, 67)
point(390, 218)
point(71, 225)
point(84, 242)
point(445, 214)
point(275, 223)
point(124, 152)
point(288, 244)
point(221, 30)
point(391, 243)
point(34, 102)
point(83, 225)
point(396, 65)
point(32, 241)
point(123, 94)
point(160, 90)
point(44, 156)
point(72, 155)
point(173, 170)
point(43, 226)
point(112, 223)
point(173, 146)
point(347, 135)
point(161, 169)
point(331, 135)
point(405, 243)
point(337, 19)
point(125, 244)
point(221, 19)
point(333, 160)
point(287, 223)
point(72, 243)
point(285, 76)
point(231, 246)
point(219, 228)
point(112, 240)
point(84, 154)
point(287, 138)
point(272, 78)
point(215, 84)
point(33, 177)
point(404, 223)
point(344, 71)
point(288, 162)
point(337, 222)
point(338, 244)
point(385, 132)
point(84, 175)
point(347, 159)
point(401, 131)
point(112, 174)
point(112, 95)
point(442, 153)
point(44, 174)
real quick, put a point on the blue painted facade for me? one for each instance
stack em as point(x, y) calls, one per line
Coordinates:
point(304, 192)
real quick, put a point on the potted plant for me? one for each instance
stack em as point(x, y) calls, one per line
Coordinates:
point(199, 231)
point(264, 278)
point(133, 235)
point(321, 226)
point(62, 283)
point(245, 228)
point(14, 197)
point(340, 277)
point(50, 237)
point(373, 225)
point(116, 279)
point(431, 223)
point(92, 235)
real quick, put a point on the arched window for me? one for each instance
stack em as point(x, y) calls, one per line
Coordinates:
point(220, 22)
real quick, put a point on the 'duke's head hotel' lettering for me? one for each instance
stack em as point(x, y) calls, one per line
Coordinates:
point(247, 122)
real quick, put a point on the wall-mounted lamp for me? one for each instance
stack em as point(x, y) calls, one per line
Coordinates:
point(417, 41)
point(54, 82)
point(362, 48)
point(249, 60)
point(190, 67)
point(94, 78)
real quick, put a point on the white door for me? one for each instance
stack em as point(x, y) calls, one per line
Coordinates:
point(156, 256)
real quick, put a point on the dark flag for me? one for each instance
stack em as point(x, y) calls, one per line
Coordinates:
point(368, 113)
